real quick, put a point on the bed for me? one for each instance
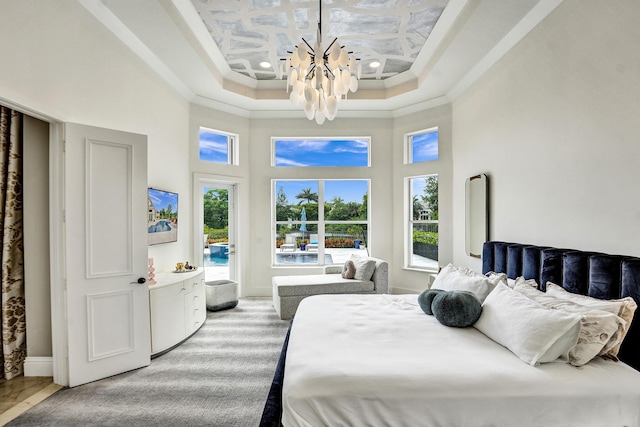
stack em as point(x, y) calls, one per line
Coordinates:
point(379, 360)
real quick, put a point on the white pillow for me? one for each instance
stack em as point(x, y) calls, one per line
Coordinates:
point(529, 282)
point(598, 328)
point(624, 308)
point(453, 278)
point(499, 277)
point(365, 267)
point(532, 332)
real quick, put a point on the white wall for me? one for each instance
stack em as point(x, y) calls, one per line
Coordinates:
point(406, 280)
point(36, 236)
point(59, 62)
point(555, 126)
point(380, 173)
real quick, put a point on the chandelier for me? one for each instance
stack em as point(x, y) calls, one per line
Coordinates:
point(319, 78)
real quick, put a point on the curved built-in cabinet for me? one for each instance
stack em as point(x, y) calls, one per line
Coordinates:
point(178, 308)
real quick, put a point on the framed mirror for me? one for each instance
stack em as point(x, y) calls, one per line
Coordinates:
point(476, 214)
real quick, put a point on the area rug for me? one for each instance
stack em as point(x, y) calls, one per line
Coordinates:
point(219, 377)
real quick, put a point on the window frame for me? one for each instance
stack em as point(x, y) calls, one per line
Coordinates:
point(321, 223)
point(233, 158)
point(408, 145)
point(410, 222)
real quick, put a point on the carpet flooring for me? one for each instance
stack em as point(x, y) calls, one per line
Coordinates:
point(219, 377)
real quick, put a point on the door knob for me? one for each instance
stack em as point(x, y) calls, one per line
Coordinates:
point(140, 281)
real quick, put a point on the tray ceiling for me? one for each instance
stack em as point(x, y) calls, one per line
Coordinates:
point(249, 33)
point(210, 50)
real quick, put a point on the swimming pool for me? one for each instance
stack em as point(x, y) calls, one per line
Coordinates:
point(218, 255)
point(301, 258)
point(162, 225)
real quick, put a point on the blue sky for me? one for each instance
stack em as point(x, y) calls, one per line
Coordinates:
point(425, 147)
point(161, 199)
point(418, 185)
point(213, 146)
point(322, 152)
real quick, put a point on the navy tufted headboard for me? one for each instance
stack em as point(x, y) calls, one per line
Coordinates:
point(589, 273)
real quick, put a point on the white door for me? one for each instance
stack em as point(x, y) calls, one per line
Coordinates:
point(107, 296)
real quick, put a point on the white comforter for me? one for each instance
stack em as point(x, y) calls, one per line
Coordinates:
point(379, 360)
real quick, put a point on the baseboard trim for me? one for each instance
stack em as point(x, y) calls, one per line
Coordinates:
point(38, 366)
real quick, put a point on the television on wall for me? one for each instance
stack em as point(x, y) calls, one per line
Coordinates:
point(162, 216)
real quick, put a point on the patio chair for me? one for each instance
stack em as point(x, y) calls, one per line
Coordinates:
point(289, 243)
point(313, 243)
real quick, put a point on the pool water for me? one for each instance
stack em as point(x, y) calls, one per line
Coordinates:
point(218, 255)
point(214, 261)
point(220, 259)
point(162, 225)
point(306, 258)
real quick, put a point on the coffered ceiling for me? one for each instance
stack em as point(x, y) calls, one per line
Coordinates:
point(429, 51)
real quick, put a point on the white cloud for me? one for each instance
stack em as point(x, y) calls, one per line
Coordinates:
point(281, 161)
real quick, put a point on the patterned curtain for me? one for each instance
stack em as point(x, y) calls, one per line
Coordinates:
point(13, 325)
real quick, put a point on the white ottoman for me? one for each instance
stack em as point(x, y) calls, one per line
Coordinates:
point(221, 294)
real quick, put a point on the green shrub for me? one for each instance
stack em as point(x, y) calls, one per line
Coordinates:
point(427, 237)
point(218, 235)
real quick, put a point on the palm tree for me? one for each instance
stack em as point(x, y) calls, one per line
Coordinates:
point(307, 195)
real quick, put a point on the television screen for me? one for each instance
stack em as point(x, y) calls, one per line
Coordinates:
point(162, 216)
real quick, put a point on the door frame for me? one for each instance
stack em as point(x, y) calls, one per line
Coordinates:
point(59, 332)
point(57, 250)
point(198, 219)
point(57, 253)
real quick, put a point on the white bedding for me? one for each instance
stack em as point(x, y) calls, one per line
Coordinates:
point(379, 360)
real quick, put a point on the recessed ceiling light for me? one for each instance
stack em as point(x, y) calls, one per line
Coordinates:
point(265, 64)
point(374, 64)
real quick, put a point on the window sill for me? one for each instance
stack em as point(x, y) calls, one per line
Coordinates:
point(422, 270)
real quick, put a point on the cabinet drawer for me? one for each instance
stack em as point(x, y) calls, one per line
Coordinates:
point(195, 310)
point(193, 285)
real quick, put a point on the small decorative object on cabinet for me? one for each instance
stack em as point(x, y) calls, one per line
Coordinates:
point(152, 272)
point(178, 309)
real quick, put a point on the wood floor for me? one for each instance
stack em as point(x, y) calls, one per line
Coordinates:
point(21, 393)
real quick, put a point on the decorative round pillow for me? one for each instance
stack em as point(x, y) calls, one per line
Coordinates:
point(349, 270)
point(426, 298)
point(456, 308)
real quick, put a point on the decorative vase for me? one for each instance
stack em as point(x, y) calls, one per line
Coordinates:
point(152, 274)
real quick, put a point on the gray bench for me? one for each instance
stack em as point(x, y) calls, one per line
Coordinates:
point(288, 291)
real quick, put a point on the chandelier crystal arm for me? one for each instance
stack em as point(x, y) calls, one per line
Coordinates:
point(326, 51)
point(309, 46)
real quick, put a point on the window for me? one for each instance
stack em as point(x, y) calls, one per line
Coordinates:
point(320, 222)
point(320, 152)
point(422, 235)
point(422, 146)
point(218, 147)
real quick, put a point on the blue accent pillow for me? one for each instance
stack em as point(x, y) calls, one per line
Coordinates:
point(426, 298)
point(458, 309)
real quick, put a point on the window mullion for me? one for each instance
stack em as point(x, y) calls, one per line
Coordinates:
point(321, 227)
